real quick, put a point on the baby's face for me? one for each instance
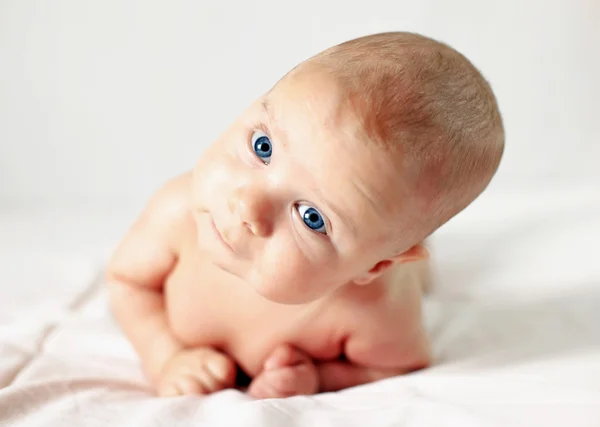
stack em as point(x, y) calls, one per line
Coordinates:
point(292, 199)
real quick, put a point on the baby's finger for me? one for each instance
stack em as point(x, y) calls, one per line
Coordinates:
point(178, 387)
point(279, 357)
point(208, 380)
point(222, 369)
point(262, 388)
point(285, 355)
point(190, 386)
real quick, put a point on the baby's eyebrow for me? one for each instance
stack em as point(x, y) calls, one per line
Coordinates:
point(266, 107)
point(281, 136)
point(346, 220)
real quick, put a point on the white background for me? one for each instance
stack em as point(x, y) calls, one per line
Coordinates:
point(101, 101)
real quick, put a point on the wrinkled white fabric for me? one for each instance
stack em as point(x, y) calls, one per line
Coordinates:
point(514, 319)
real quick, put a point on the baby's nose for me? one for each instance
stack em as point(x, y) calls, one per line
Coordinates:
point(253, 209)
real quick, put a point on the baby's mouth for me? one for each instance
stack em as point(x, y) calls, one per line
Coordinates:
point(220, 236)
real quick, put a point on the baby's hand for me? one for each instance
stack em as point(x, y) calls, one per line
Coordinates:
point(197, 371)
point(286, 372)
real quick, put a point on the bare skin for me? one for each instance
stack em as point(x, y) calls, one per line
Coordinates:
point(222, 270)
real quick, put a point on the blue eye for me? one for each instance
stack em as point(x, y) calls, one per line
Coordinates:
point(261, 144)
point(312, 218)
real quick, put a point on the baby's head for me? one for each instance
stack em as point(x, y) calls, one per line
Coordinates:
point(346, 165)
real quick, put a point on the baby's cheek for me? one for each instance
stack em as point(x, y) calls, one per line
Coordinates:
point(297, 277)
point(213, 178)
point(283, 267)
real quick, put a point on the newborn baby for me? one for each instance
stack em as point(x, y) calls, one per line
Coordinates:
point(292, 254)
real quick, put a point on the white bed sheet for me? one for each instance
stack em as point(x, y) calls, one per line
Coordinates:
point(514, 319)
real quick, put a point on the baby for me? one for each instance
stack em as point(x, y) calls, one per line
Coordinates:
point(292, 254)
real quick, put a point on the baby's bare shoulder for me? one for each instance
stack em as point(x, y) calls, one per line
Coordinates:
point(168, 212)
point(391, 295)
point(172, 200)
point(158, 230)
point(385, 320)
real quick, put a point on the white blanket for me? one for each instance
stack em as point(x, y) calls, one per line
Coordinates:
point(514, 317)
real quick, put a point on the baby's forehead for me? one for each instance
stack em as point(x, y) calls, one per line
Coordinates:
point(310, 92)
point(315, 113)
point(317, 102)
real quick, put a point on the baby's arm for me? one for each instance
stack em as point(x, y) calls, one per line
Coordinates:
point(387, 342)
point(370, 367)
point(289, 371)
point(384, 340)
point(135, 277)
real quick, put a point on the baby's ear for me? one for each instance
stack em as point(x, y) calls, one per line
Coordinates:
point(416, 253)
